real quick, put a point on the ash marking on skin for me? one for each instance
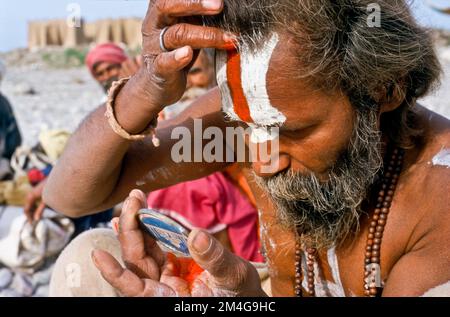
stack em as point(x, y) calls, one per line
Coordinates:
point(268, 245)
point(153, 175)
point(442, 158)
point(208, 281)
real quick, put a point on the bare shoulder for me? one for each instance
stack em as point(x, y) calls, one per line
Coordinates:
point(426, 182)
point(423, 213)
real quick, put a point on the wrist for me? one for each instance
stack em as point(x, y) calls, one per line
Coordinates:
point(133, 106)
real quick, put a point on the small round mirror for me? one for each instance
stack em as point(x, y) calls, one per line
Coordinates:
point(169, 234)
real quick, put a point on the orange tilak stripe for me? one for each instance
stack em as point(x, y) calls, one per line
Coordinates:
point(235, 84)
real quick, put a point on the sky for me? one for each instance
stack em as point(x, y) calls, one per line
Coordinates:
point(14, 14)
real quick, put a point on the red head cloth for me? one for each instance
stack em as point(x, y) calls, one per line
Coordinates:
point(108, 52)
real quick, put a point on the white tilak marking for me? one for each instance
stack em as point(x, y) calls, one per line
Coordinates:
point(334, 265)
point(442, 158)
point(323, 287)
point(222, 82)
point(262, 134)
point(254, 69)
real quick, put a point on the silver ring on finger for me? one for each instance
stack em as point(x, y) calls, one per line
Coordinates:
point(161, 40)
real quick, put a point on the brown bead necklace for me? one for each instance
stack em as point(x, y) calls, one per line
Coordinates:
point(372, 272)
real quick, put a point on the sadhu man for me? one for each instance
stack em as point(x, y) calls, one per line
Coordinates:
point(358, 201)
point(108, 62)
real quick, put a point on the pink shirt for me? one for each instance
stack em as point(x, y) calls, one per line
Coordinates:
point(213, 203)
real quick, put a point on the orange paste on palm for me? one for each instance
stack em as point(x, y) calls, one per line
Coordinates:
point(185, 268)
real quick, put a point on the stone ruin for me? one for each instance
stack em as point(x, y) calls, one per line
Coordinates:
point(43, 34)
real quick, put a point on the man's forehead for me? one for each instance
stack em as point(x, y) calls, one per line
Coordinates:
point(271, 84)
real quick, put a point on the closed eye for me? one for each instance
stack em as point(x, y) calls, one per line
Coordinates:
point(297, 133)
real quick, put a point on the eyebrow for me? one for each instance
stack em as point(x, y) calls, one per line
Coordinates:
point(228, 118)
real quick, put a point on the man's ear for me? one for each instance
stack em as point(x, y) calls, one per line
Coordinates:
point(390, 98)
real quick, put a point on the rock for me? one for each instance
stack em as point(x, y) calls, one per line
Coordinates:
point(24, 89)
point(79, 81)
point(6, 277)
point(22, 285)
point(42, 277)
point(42, 291)
point(10, 293)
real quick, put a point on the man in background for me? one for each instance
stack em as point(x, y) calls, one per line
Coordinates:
point(108, 62)
point(10, 137)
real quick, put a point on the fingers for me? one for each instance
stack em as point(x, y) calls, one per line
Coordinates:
point(135, 201)
point(115, 225)
point(125, 281)
point(163, 12)
point(39, 211)
point(188, 7)
point(29, 207)
point(135, 253)
point(171, 63)
point(168, 78)
point(197, 37)
point(228, 270)
point(153, 250)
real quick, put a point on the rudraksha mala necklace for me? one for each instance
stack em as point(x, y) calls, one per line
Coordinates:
point(376, 229)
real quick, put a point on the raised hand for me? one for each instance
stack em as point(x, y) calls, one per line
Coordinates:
point(172, 34)
point(212, 271)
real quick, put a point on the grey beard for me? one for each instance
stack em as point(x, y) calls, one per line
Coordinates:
point(326, 213)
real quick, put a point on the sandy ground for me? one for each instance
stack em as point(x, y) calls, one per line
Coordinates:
point(65, 96)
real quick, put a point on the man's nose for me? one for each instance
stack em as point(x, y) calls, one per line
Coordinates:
point(104, 76)
point(276, 164)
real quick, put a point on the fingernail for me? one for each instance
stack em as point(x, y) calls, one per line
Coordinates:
point(136, 193)
point(212, 4)
point(181, 53)
point(201, 243)
point(115, 225)
point(230, 41)
point(231, 46)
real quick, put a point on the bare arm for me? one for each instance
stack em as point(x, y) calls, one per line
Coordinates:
point(98, 168)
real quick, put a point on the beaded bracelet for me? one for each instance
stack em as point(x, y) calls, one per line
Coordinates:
point(116, 127)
